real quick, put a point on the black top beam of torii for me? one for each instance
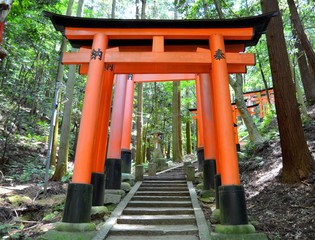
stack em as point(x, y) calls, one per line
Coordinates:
point(258, 23)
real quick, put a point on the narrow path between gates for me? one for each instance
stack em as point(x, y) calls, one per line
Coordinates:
point(164, 206)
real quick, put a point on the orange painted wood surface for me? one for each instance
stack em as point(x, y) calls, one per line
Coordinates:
point(127, 123)
point(99, 154)
point(116, 123)
point(147, 33)
point(222, 113)
point(90, 111)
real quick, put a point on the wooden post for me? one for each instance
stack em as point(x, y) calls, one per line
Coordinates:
point(231, 193)
point(113, 161)
point(209, 170)
point(100, 143)
point(200, 149)
point(127, 125)
point(79, 195)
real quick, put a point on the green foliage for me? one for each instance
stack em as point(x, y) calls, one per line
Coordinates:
point(67, 177)
point(32, 170)
point(269, 128)
point(7, 227)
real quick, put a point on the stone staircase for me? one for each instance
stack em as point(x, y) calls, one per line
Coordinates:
point(161, 208)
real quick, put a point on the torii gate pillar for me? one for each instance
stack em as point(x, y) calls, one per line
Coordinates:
point(209, 165)
point(231, 193)
point(127, 125)
point(113, 161)
point(79, 195)
point(200, 150)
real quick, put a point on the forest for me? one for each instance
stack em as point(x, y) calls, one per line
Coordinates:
point(41, 107)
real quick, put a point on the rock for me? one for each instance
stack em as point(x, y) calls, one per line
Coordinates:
point(127, 177)
point(125, 186)
point(112, 198)
point(98, 212)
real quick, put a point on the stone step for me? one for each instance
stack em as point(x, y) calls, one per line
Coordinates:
point(161, 198)
point(165, 182)
point(151, 188)
point(146, 184)
point(153, 230)
point(157, 211)
point(162, 193)
point(154, 204)
point(157, 219)
point(168, 178)
point(164, 237)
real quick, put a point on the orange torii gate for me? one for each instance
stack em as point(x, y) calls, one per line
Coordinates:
point(211, 48)
point(260, 97)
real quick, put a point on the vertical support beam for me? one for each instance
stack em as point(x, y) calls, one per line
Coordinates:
point(113, 161)
point(200, 144)
point(238, 146)
point(232, 195)
point(79, 195)
point(209, 170)
point(100, 143)
point(127, 126)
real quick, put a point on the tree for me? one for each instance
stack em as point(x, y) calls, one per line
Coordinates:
point(177, 124)
point(62, 163)
point(139, 121)
point(307, 78)
point(253, 133)
point(188, 127)
point(309, 52)
point(297, 159)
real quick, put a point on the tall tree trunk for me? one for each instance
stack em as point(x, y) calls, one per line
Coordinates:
point(297, 159)
point(205, 9)
point(263, 76)
point(114, 9)
point(307, 78)
point(63, 154)
point(143, 7)
point(295, 18)
point(252, 130)
point(188, 136)
point(176, 124)
point(139, 123)
point(188, 128)
point(218, 8)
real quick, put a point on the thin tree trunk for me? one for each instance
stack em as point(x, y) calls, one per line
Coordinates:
point(297, 159)
point(114, 9)
point(295, 18)
point(176, 124)
point(252, 130)
point(143, 7)
point(139, 123)
point(218, 8)
point(62, 163)
point(263, 76)
point(307, 78)
point(188, 128)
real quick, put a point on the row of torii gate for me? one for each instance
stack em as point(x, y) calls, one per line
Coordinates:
point(155, 50)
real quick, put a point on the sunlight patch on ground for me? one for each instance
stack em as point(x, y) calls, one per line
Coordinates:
point(263, 179)
point(267, 176)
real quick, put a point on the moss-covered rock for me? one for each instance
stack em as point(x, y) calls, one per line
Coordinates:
point(18, 200)
point(235, 229)
point(57, 235)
